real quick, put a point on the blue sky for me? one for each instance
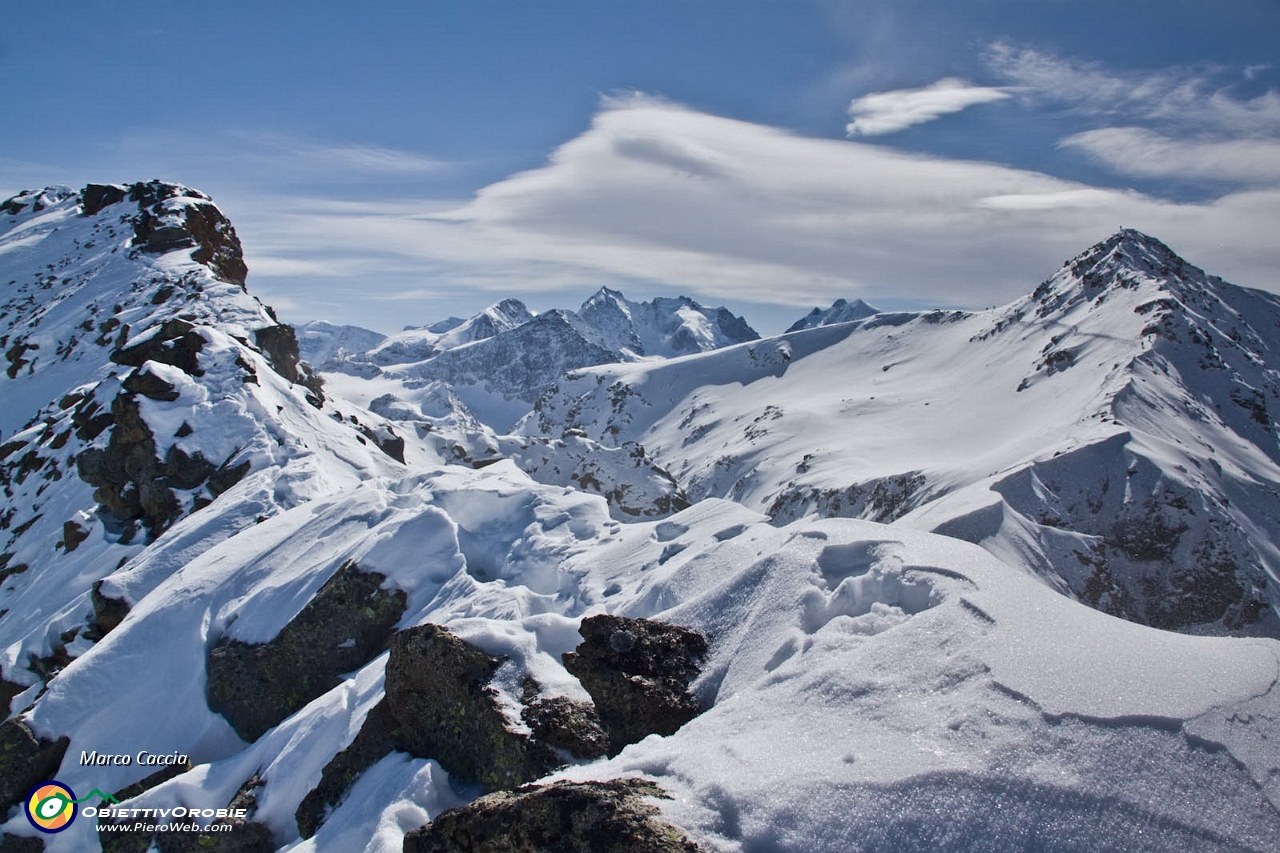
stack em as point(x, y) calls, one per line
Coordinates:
point(393, 163)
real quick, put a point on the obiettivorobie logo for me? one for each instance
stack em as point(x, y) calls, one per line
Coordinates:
point(51, 806)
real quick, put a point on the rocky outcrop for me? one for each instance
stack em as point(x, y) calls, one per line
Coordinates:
point(25, 761)
point(346, 624)
point(174, 217)
point(280, 344)
point(565, 817)
point(563, 724)
point(134, 486)
point(438, 691)
point(20, 844)
point(638, 673)
point(439, 704)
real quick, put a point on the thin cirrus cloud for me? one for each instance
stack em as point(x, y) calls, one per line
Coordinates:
point(1142, 152)
point(1188, 99)
point(888, 112)
point(658, 198)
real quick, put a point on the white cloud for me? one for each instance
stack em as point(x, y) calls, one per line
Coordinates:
point(888, 112)
point(1138, 151)
point(657, 198)
point(1186, 98)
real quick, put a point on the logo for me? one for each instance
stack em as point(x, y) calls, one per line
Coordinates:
point(51, 806)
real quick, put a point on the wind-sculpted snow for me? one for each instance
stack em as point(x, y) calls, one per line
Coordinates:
point(1112, 432)
point(852, 665)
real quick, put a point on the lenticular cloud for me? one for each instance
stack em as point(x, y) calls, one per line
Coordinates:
point(889, 112)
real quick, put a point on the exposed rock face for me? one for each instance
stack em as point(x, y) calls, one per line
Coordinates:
point(638, 674)
point(564, 724)
point(107, 612)
point(173, 217)
point(439, 705)
point(378, 736)
point(25, 761)
point(566, 817)
point(437, 689)
point(343, 627)
point(280, 343)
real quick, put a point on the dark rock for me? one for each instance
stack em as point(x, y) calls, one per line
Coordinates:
point(176, 343)
point(378, 736)
point(20, 844)
point(8, 690)
point(385, 440)
point(565, 817)
point(564, 724)
point(94, 197)
point(146, 383)
point(72, 535)
point(196, 224)
point(346, 624)
point(226, 476)
point(638, 674)
point(25, 761)
point(280, 344)
point(147, 783)
point(437, 690)
point(107, 612)
point(127, 478)
point(234, 836)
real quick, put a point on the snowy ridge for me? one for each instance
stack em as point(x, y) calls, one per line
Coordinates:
point(868, 686)
point(138, 399)
point(1109, 432)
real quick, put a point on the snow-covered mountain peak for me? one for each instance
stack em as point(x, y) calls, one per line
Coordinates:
point(664, 326)
point(841, 311)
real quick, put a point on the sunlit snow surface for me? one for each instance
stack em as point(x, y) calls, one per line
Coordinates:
point(869, 687)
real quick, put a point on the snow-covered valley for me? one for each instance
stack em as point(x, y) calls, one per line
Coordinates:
point(999, 580)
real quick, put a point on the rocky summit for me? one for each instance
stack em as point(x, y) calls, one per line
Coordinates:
point(630, 576)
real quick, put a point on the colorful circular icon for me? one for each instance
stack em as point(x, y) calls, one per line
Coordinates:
point(51, 807)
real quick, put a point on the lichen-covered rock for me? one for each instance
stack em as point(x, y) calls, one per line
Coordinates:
point(563, 724)
point(346, 624)
point(439, 705)
point(565, 817)
point(438, 691)
point(25, 761)
point(638, 673)
point(378, 736)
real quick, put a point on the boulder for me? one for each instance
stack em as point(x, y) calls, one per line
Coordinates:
point(638, 673)
point(564, 817)
point(438, 692)
point(347, 623)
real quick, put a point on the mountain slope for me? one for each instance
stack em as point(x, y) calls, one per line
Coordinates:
point(144, 384)
point(1109, 432)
